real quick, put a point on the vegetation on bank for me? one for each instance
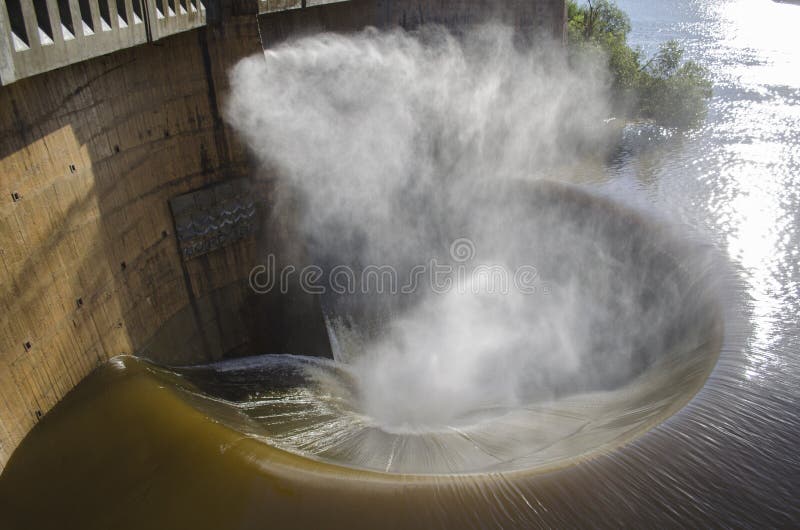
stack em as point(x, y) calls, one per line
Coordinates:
point(663, 88)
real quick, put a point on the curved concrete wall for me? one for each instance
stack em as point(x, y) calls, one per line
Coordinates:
point(90, 155)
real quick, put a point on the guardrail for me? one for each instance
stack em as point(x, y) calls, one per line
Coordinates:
point(167, 17)
point(40, 35)
point(271, 6)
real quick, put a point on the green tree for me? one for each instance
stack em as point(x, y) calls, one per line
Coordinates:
point(664, 89)
point(673, 92)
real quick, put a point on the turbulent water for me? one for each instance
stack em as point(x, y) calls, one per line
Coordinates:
point(736, 180)
point(625, 335)
point(556, 325)
point(299, 442)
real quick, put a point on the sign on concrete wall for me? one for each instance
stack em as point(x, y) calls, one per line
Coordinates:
point(212, 218)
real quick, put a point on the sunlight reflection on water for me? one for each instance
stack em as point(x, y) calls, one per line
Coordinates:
point(738, 177)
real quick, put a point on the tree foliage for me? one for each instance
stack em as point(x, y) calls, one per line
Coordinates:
point(665, 88)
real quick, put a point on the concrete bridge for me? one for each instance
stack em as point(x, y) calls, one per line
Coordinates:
point(127, 219)
point(41, 35)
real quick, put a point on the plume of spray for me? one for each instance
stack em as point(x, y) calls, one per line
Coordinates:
point(378, 129)
point(391, 139)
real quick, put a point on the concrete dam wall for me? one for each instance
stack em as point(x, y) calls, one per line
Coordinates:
point(116, 174)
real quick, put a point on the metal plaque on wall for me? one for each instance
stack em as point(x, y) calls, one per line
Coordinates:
point(213, 217)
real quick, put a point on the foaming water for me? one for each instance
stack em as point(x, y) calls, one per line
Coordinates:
point(432, 138)
point(581, 373)
point(205, 454)
point(485, 374)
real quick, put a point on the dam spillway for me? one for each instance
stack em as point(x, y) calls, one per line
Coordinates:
point(264, 436)
point(94, 154)
point(138, 202)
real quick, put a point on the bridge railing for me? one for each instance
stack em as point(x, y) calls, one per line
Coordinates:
point(167, 17)
point(41, 35)
point(271, 6)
